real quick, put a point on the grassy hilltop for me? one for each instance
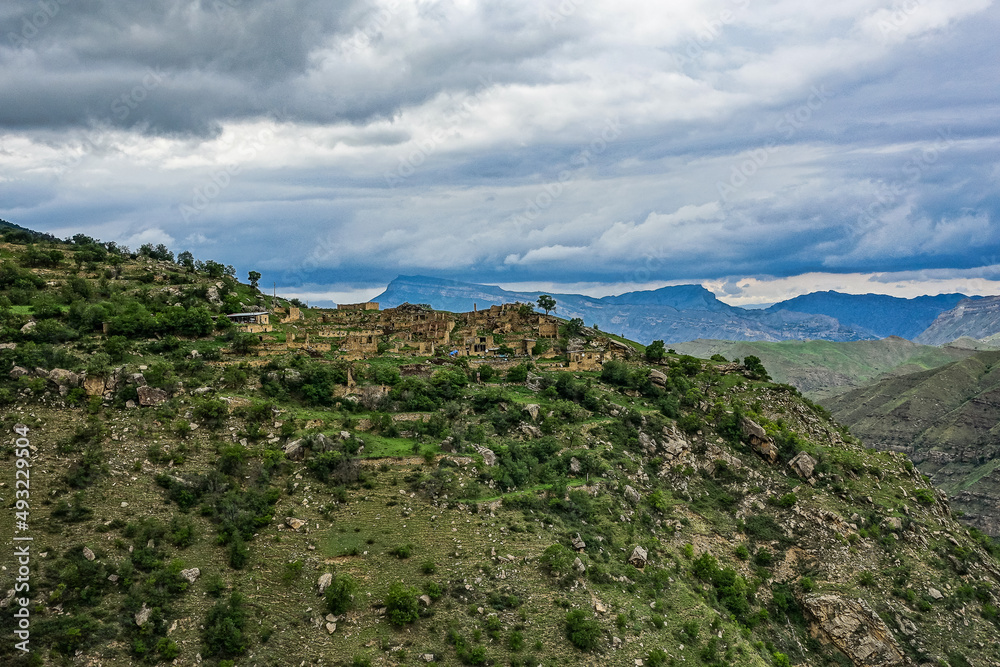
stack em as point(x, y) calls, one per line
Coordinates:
point(555, 498)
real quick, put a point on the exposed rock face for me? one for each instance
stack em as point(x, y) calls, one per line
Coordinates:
point(150, 397)
point(758, 438)
point(94, 385)
point(855, 629)
point(638, 557)
point(803, 465)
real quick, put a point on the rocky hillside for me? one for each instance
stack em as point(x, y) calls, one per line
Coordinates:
point(204, 495)
point(977, 319)
point(946, 420)
point(822, 369)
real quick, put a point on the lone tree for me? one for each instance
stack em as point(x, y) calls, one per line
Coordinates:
point(546, 303)
point(655, 351)
point(254, 279)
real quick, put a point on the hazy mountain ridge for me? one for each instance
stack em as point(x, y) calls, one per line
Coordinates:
point(881, 314)
point(673, 314)
point(972, 318)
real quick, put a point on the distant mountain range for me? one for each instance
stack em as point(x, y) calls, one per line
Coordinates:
point(688, 312)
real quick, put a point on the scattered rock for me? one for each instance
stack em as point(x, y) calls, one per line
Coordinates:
point(578, 543)
point(331, 628)
point(88, 554)
point(638, 557)
point(427, 657)
point(191, 575)
point(6, 601)
point(758, 438)
point(935, 593)
point(600, 608)
point(65, 378)
point(855, 629)
point(489, 458)
point(18, 372)
point(29, 327)
point(574, 466)
point(425, 600)
point(658, 378)
point(579, 566)
point(533, 409)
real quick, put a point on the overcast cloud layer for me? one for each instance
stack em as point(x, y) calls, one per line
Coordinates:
point(764, 148)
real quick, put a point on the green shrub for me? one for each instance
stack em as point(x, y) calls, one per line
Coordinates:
point(582, 630)
point(924, 496)
point(224, 632)
point(401, 604)
point(339, 595)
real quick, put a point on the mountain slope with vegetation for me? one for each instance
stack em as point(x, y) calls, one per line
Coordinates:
point(204, 494)
point(823, 369)
point(947, 420)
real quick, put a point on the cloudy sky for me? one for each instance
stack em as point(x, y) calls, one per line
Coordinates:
point(764, 148)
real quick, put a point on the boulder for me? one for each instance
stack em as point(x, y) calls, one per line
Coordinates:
point(29, 327)
point(658, 378)
point(88, 554)
point(324, 582)
point(530, 431)
point(574, 466)
point(65, 378)
point(448, 445)
point(191, 575)
point(632, 495)
point(638, 557)
point(295, 450)
point(758, 438)
point(19, 372)
point(294, 523)
point(579, 566)
point(138, 379)
point(331, 628)
point(533, 409)
point(94, 385)
point(578, 543)
point(425, 600)
point(8, 346)
point(142, 616)
point(854, 628)
point(803, 465)
point(489, 458)
point(935, 593)
point(151, 397)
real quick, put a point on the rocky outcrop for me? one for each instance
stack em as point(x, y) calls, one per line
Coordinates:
point(632, 495)
point(151, 397)
point(855, 629)
point(638, 557)
point(803, 465)
point(758, 438)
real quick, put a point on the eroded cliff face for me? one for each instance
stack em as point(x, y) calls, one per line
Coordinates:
point(854, 628)
point(978, 318)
